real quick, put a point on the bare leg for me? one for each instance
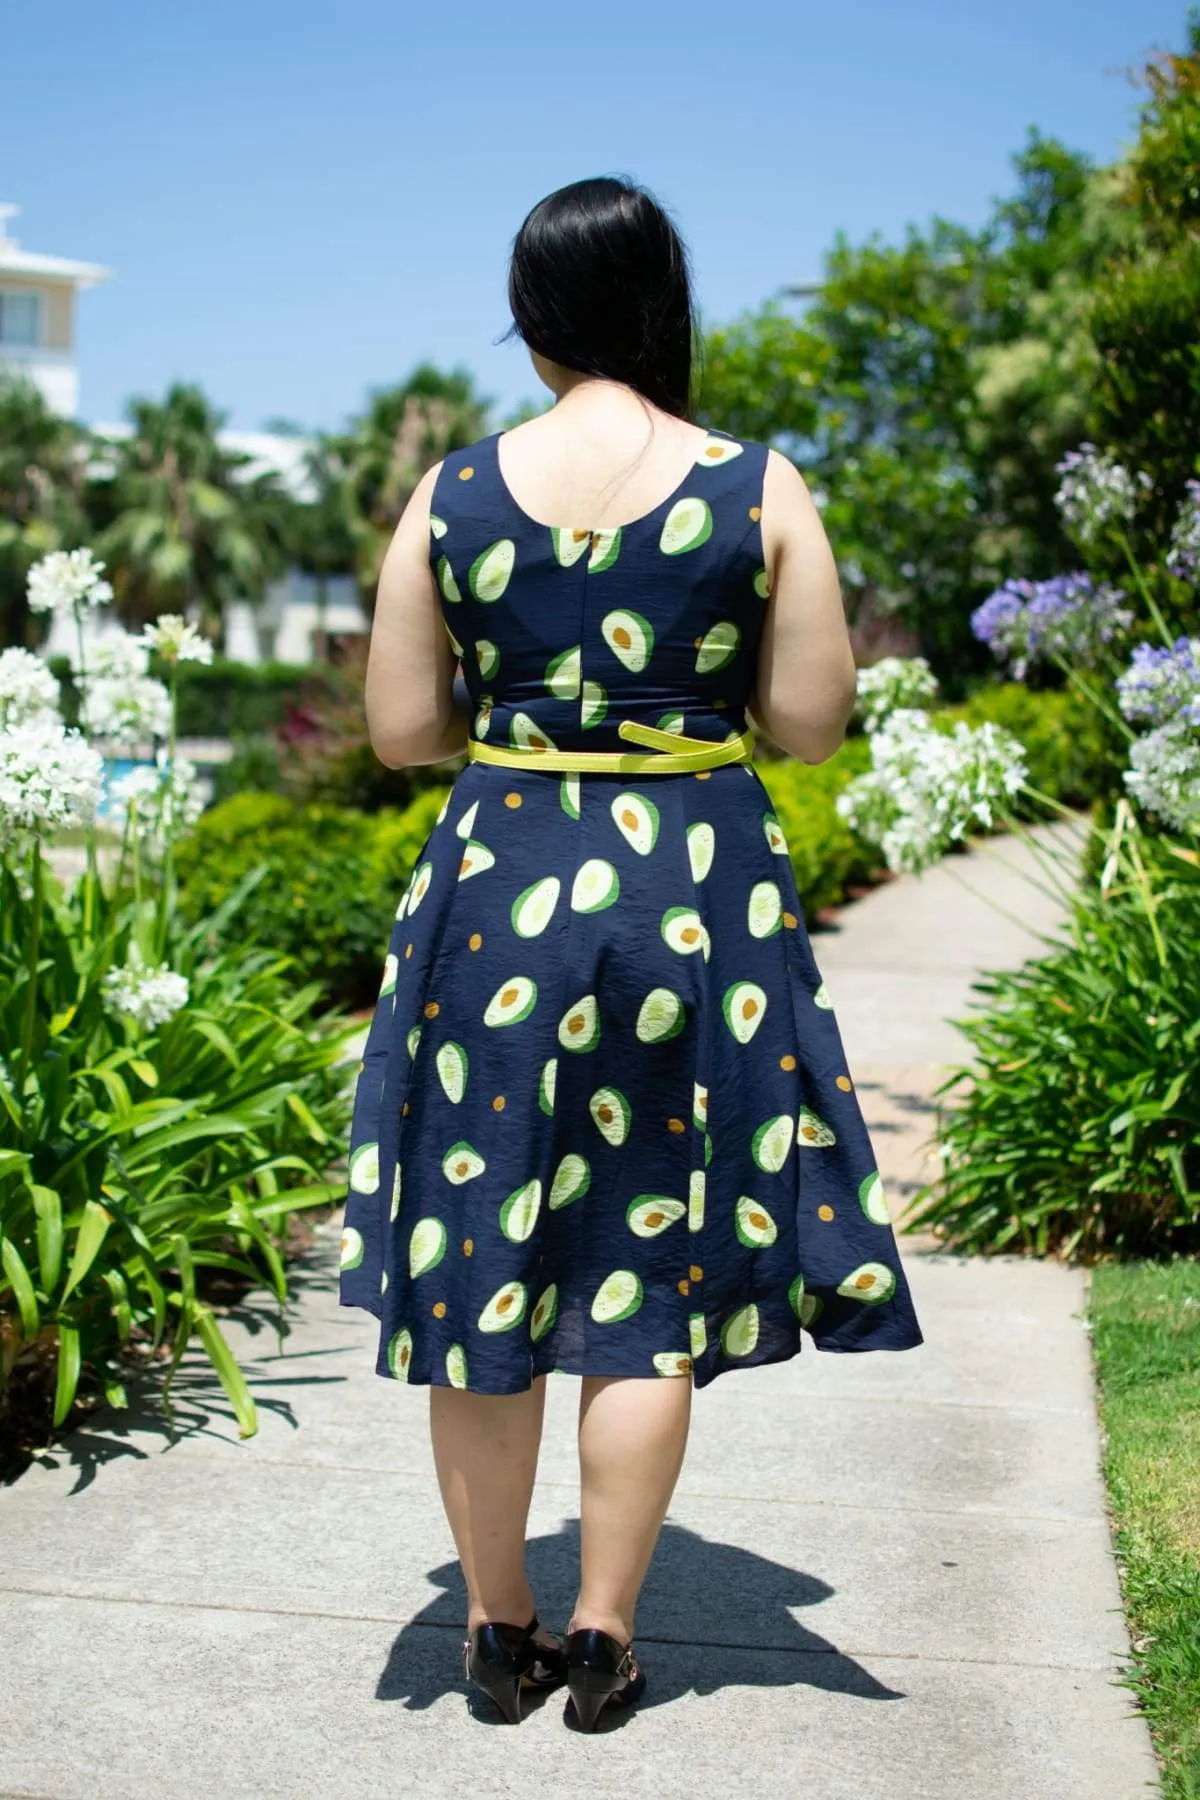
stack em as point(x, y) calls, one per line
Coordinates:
point(485, 1448)
point(632, 1439)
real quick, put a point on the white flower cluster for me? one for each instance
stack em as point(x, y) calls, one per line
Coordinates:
point(27, 688)
point(49, 777)
point(176, 641)
point(892, 682)
point(125, 710)
point(1097, 492)
point(67, 581)
point(149, 997)
point(117, 656)
point(926, 787)
point(1164, 774)
point(162, 800)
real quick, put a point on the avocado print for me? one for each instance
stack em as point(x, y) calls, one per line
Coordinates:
point(412, 1040)
point(533, 910)
point(518, 1215)
point(771, 1142)
point(568, 795)
point(761, 585)
point(660, 1017)
point(821, 998)
point(618, 1297)
point(474, 860)
point(596, 885)
point(488, 658)
point(796, 1296)
point(483, 718)
point(437, 526)
point(546, 1086)
point(505, 1309)
point(579, 1027)
point(871, 1282)
point(650, 1214)
point(813, 1131)
point(466, 824)
point(672, 1362)
point(754, 1224)
point(454, 644)
point(512, 1002)
point(873, 1200)
point(688, 525)
point(394, 1212)
point(682, 930)
point(364, 1169)
point(420, 886)
point(571, 1181)
point(606, 547)
point(352, 1248)
point(525, 734)
point(672, 721)
point(451, 1063)
point(744, 1005)
point(630, 637)
point(426, 1246)
point(391, 968)
point(611, 1114)
point(461, 1163)
point(636, 818)
point(718, 646)
point(456, 1366)
point(811, 1308)
point(764, 914)
point(593, 704)
point(697, 1334)
point(774, 834)
point(492, 571)
point(701, 843)
point(697, 1182)
point(699, 1106)
point(739, 1334)
point(446, 581)
point(715, 451)
point(544, 1313)
point(569, 545)
point(399, 1355)
point(563, 674)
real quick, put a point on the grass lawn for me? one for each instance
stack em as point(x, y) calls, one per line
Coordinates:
point(1146, 1324)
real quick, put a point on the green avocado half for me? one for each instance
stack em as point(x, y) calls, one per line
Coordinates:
point(618, 1296)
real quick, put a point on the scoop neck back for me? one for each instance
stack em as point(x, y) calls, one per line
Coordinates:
point(575, 524)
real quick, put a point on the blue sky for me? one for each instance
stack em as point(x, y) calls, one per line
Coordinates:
point(301, 201)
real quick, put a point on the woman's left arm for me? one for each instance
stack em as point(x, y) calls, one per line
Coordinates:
point(411, 715)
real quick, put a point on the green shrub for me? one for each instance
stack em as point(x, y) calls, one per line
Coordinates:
point(827, 857)
point(1073, 754)
point(227, 698)
point(1079, 1128)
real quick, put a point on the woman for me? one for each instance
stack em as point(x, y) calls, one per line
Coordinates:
point(604, 1123)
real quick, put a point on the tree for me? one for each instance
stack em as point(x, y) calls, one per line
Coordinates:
point(43, 462)
point(186, 525)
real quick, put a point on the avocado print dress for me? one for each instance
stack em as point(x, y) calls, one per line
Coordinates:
point(604, 1123)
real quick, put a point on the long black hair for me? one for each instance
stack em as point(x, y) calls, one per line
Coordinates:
point(599, 282)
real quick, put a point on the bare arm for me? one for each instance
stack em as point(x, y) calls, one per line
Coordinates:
point(411, 715)
point(805, 690)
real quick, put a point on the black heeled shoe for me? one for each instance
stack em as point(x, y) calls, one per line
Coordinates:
point(500, 1658)
point(600, 1668)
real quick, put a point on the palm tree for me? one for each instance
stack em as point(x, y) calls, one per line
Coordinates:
point(385, 452)
point(43, 460)
point(188, 526)
point(320, 532)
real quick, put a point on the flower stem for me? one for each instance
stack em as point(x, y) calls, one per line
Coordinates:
point(1144, 590)
point(35, 944)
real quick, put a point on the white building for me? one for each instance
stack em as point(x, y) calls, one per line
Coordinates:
point(37, 339)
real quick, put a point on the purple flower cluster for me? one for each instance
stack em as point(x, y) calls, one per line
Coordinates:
point(1163, 686)
point(1183, 557)
point(1067, 616)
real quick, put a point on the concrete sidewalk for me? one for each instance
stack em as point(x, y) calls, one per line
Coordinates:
point(881, 1575)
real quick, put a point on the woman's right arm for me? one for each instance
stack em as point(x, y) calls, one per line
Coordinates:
point(805, 690)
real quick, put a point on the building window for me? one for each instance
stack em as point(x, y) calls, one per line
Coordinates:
point(20, 320)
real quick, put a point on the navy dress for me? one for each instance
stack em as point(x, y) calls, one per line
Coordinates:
point(604, 1123)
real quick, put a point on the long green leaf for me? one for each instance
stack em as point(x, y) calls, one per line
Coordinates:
point(48, 1208)
point(93, 1230)
point(69, 1364)
point(22, 1287)
point(231, 1377)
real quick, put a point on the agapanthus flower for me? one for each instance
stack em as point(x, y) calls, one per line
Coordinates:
point(148, 997)
point(67, 581)
point(1164, 774)
point(176, 641)
point(928, 787)
point(163, 799)
point(27, 688)
point(131, 710)
point(1162, 686)
point(1183, 556)
point(893, 682)
point(49, 777)
point(116, 656)
point(1068, 616)
point(1097, 493)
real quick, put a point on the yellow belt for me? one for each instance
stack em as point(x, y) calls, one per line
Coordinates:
point(667, 757)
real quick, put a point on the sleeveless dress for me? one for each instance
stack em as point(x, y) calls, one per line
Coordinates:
point(604, 1123)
